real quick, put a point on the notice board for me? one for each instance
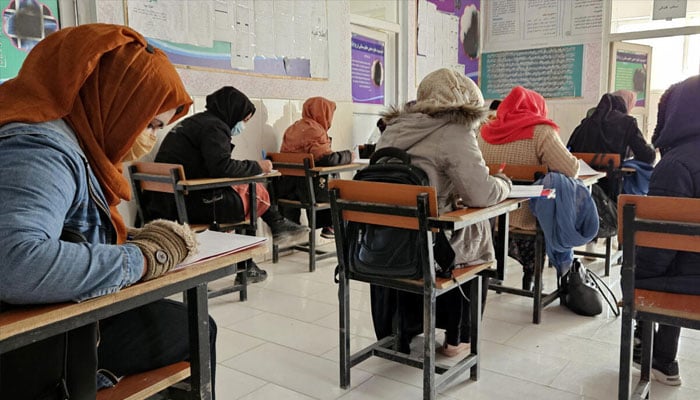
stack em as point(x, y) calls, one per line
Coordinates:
point(286, 38)
point(554, 72)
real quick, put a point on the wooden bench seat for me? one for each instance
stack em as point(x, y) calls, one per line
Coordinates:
point(684, 306)
point(460, 275)
point(146, 384)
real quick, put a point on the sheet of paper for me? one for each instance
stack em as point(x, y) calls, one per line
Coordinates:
point(213, 243)
point(585, 169)
point(520, 191)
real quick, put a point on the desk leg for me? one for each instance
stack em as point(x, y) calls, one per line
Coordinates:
point(501, 247)
point(200, 367)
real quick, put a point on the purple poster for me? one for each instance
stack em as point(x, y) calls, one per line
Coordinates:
point(447, 6)
point(469, 38)
point(367, 70)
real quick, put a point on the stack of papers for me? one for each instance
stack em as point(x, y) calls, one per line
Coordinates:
point(584, 169)
point(212, 243)
point(520, 191)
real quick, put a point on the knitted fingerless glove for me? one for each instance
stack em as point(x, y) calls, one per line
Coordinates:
point(164, 244)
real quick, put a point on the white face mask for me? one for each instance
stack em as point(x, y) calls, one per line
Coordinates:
point(142, 146)
point(238, 128)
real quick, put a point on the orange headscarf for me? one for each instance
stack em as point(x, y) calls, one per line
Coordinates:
point(310, 133)
point(516, 117)
point(107, 83)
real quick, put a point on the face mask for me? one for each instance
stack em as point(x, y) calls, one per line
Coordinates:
point(142, 146)
point(238, 128)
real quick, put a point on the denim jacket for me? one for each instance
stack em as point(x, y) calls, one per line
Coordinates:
point(47, 188)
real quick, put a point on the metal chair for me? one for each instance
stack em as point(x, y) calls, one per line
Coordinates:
point(664, 223)
point(408, 207)
point(168, 178)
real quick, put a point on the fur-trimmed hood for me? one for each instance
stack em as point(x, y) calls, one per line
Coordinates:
point(466, 114)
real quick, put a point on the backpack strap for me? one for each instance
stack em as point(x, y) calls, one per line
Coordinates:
point(390, 152)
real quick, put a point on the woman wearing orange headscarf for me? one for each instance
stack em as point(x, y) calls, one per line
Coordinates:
point(310, 135)
point(86, 99)
point(522, 134)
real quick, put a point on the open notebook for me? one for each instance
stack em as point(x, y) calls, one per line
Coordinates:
point(213, 243)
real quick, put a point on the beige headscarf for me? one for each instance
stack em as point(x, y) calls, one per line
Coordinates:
point(446, 87)
point(628, 96)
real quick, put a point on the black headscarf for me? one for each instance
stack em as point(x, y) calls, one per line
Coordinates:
point(604, 131)
point(230, 104)
point(678, 121)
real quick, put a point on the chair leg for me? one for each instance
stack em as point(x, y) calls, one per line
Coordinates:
point(429, 390)
point(275, 253)
point(608, 255)
point(344, 329)
point(647, 328)
point(626, 343)
point(475, 325)
point(539, 266)
point(243, 294)
point(312, 239)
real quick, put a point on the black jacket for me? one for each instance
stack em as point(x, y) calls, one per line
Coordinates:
point(610, 130)
point(202, 144)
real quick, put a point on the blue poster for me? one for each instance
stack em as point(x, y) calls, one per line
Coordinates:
point(367, 70)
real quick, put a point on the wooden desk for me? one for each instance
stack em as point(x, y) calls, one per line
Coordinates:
point(459, 219)
point(250, 227)
point(23, 326)
point(590, 180)
point(212, 183)
point(335, 169)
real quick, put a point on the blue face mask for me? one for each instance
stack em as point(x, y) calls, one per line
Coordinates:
point(238, 128)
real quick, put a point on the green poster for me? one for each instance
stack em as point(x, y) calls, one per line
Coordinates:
point(631, 74)
point(24, 24)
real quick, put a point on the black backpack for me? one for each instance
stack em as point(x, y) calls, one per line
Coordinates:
point(607, 212)
point(391, 252)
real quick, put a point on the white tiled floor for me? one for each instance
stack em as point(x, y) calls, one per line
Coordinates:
point(283, 344)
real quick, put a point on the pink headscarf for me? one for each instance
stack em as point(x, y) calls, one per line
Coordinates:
point(628, 96)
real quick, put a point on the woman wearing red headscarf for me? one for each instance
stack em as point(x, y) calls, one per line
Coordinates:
point(86, 99)
point(522, 134)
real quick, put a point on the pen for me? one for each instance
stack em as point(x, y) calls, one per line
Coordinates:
point(501, 167)
point(264, 154)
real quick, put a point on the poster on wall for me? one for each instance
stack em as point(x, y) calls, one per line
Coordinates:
point(235, 35)
point(367, 70)
point(24, 24)
point(553, 72)
point(514, 25)
point(630, 70)
point(448, 36)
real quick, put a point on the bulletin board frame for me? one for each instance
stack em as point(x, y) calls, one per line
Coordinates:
point(193, 57)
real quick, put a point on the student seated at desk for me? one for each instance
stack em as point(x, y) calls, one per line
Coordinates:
point(202, 144)
point(310, 135)
point(86, 99)
point(677, 135)
point(610, 129)
point(439, 132)
point(522, 134)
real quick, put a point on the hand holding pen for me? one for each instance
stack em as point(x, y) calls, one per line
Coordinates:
point(265, 164)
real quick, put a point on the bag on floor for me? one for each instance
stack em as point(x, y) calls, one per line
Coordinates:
point(607, 213)
point(375, 250)
point(581, 291)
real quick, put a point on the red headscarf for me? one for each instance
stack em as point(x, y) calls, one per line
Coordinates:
point(516, 117)
point(310, 133)
point(107, 83)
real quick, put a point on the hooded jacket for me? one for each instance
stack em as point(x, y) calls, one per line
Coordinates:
point(677, 174)
point(439, 132)
point(310, 134)
point(202, 144)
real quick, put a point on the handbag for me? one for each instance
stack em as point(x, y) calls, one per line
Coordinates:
point(581, 291)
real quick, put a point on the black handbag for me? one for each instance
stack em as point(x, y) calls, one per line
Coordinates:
point(581, 291)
